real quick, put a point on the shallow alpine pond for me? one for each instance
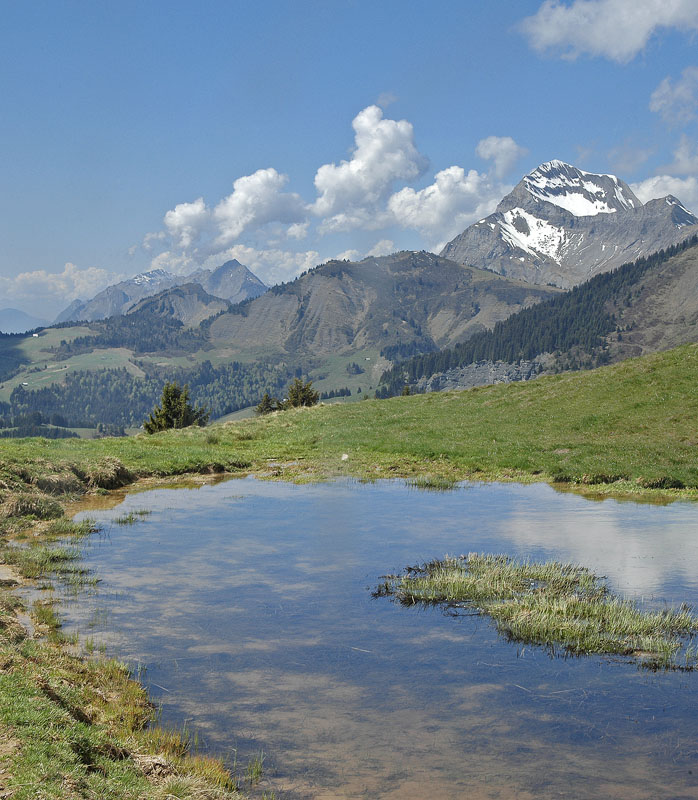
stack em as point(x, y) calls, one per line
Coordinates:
point(246, 607)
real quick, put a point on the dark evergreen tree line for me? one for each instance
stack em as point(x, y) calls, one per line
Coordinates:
point(115, 397)
point(576, 320)
point(404, 350)
point(345, 392)
point(37, 430)
point(142, 332)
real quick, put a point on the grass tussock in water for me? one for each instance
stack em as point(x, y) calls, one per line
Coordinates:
point(563, 606)
point(132, 517)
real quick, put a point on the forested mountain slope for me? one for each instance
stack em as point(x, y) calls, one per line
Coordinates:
point(650, 304)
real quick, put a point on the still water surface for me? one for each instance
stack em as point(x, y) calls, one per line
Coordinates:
point(249, 604)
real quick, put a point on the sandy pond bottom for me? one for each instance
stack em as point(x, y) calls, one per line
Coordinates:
point(249, 605)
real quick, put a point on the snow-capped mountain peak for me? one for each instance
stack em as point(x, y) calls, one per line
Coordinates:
point(153, 276)
point(583, 194)
point(562, 225)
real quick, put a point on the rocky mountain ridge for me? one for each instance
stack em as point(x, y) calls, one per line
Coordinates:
point(405, 299)
point(188, 303)
point(231, 281)
point(561, 225)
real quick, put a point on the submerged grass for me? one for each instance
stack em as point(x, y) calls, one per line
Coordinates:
point(562, 606)
point(132, 517)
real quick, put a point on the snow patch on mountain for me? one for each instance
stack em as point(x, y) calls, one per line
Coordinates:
point(154, 276)
point(562, 225)
point(583, 194)
point(532, 235)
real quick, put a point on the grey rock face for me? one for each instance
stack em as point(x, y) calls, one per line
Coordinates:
point(481, 373)
point(561, 225)
point(231, 281)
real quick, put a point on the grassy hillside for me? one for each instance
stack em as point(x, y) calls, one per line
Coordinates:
point(634, 422)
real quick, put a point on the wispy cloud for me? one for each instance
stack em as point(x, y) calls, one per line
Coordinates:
point(613, 29)
point(677, 102)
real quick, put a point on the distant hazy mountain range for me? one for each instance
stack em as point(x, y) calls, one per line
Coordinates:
point(12, 320)
point(562, 226)
point(232, 282)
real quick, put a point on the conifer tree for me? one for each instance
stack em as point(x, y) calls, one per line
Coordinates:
point(302, 394)
point(266, 405)
point(175, 410)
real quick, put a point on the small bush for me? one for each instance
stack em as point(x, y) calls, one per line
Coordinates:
point(602, 477)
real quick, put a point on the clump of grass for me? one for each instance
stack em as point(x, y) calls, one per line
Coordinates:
point(44, 614)
point(32, 505)
point(433, 483)
point(660, 482)
point(132, 517)
point(558, 605)
point(255, 768)
point(57, 483)
point(40, 561)
point(11, 629)
point(108, 473)
point(65, 528)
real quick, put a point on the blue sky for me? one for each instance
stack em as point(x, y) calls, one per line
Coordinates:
point(140, 135)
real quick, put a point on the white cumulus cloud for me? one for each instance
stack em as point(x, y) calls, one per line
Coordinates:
point(442, 210)
point(299, 230)
point(503, 151)
point(256, 200)
point(50, 292)
point(382, 248)
point(186, 221)
point(677, 102)
point(614, 29)
point(685, 189)
point(177, 262)
point(348, 255)
point(349, 193)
